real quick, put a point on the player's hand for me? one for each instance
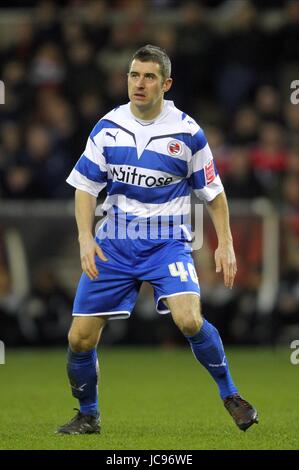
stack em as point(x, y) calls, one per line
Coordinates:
point(88, 251)
point(226, 262)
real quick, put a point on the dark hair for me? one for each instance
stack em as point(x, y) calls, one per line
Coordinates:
point(150, 53)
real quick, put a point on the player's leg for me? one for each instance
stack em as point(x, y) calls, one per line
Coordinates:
point(112, 294)
point(204, 340)
point(82, 369)
point(82, 365)
point(208, 349)
point(85, 332)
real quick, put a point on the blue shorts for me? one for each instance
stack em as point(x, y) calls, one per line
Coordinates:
point(166, 264)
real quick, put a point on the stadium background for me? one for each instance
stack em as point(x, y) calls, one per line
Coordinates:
point(64, 65)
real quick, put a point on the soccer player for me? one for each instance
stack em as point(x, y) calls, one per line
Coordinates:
point(149, 155)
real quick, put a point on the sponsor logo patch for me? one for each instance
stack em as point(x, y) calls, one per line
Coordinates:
point(209, 172)
point(134, 176)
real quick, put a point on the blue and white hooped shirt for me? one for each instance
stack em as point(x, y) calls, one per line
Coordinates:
point(149, 168)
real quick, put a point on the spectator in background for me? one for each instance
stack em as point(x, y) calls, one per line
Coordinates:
point(41, 171)
point(15, 175)
point(292, 123)
point(116, 91)
point(268, 158)
point(167, 38)
point(196, 44)
point(115, 55)
point(16, 94)
point(267, 104)
point(97, 23)
point(239, 61)
point(82, 73)
point(58, 116)
point(292, 162)
point(245, 126)
point(84, 53)
point(136, 14)
point(11, 142)
point(90, 107)
point(47, 68)
point(48, 165)
point(16, 182)
point(48, 22)
point(241, 181)
point(24, 43)
point(289, 35)
point(10, 151)
point(219, 148)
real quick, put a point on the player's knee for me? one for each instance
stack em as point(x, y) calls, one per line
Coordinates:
point(190, 324)
point(80, 343)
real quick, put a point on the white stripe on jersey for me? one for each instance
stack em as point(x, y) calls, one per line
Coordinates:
point(208, 193)
point(114, 137)
point(177, 206)
point(201, 158)
point(79, 181)
point(92, 153)
point(161, 146)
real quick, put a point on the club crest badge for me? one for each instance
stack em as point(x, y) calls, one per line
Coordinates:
point(174, 148)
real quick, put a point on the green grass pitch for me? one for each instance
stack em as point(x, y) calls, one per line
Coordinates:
point(150, 398)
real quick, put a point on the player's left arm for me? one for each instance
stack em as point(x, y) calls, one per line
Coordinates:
point(225, 258)
point(207, 186)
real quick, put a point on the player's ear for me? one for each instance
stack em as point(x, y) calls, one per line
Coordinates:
point(167, 84)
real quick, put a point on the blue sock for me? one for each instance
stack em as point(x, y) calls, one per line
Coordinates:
point(82, 369)
point(208, 349)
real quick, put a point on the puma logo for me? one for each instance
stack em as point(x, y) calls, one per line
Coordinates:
point(79, 389)
point(222, 364)
point(111, 135)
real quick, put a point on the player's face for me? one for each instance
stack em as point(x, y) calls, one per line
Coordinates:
point(146, 87)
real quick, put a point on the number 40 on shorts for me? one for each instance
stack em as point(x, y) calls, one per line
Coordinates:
point(178, 269)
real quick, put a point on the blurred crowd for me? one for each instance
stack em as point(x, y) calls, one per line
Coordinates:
point(66, 67)
point(65, 64)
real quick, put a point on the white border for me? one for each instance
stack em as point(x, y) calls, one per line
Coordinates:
point(124, 314)
point(121, 315)
point(163, 312)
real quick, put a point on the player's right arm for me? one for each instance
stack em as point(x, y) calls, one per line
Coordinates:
point(85, 205)
point(89, 177)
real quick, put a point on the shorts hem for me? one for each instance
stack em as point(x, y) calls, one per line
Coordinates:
point(122, 314)
point(163, 312)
